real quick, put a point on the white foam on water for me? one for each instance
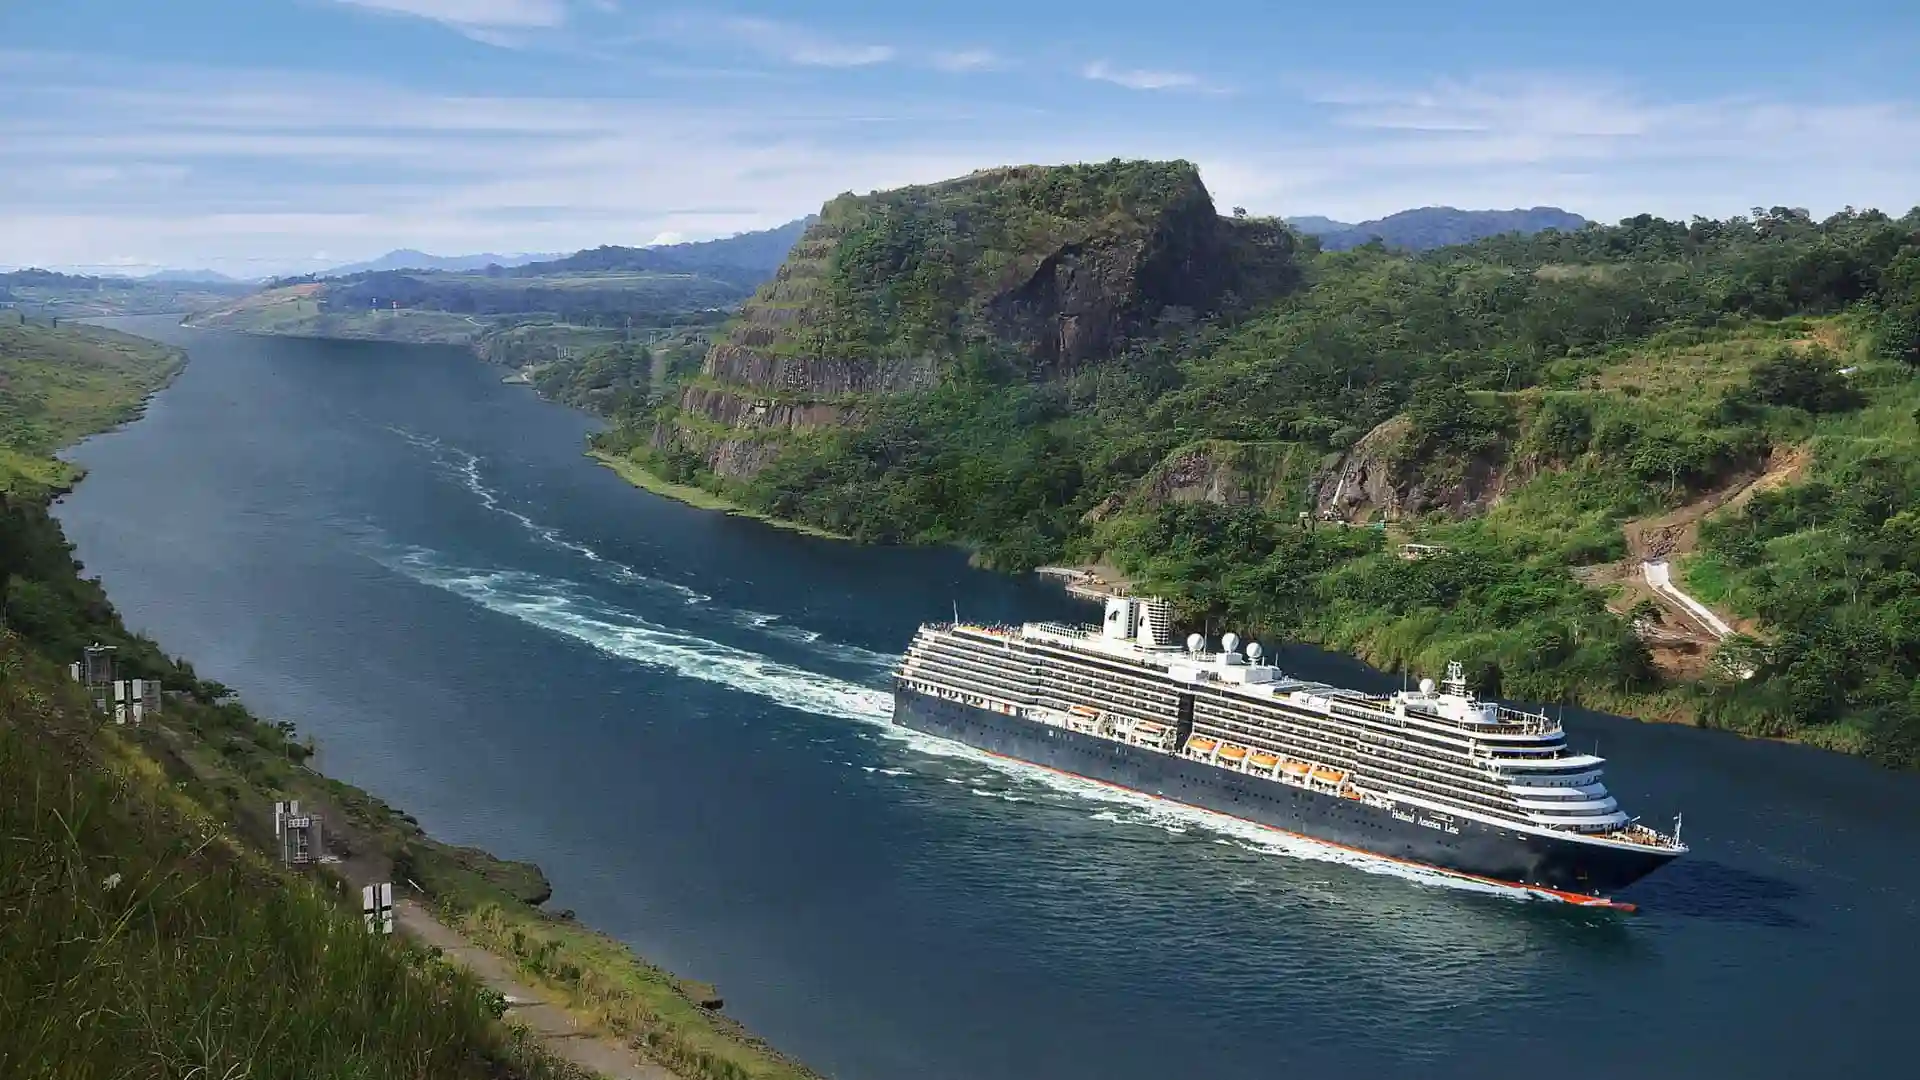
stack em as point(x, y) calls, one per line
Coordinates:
point(776, 626)
point(553, 606)
point(560, 608)
point(985, 794)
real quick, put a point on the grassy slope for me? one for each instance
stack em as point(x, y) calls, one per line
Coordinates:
point(1603, 377)
point(202, 953)
point(1507, 600)
point(639, 476)
point(497, 330)
point(59, 385)
point(140, 937)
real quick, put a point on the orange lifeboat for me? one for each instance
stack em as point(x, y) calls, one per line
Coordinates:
point(1200, 744)
point(1085, 710)
point(1264, 760)
point(1330, 776)
point(1295, 768)
point(1234, 753)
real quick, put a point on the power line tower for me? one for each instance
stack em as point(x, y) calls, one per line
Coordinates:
point(299, 834)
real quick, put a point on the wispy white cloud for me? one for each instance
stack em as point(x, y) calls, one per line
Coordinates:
point(1140, 78)
point(473, 14)
point(244, 170)
point(967, 60)
point(1590, 123)
point(798, 45)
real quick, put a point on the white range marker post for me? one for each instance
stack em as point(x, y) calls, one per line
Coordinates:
point(376, 907)
point(133, 699)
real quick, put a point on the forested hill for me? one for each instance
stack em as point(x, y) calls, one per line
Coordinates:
point(52, 294)
point(1737, 397)
point(533, 313)
point(1436, 226)
point(747, 259)
point(1010, 274)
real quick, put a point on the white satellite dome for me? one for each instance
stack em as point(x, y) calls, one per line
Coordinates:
point(1195, 642)
point(1229, 642)
point(1253, 650)
point(1426, 686)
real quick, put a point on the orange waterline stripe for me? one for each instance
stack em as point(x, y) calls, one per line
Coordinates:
point(1578, 899)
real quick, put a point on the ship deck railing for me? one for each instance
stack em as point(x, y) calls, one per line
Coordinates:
point(1644, 836)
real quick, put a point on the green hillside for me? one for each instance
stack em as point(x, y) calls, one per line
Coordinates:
point(140, 935)
point(532, 314)
point(142, 931)
point(47, 294)
point(60, 384)
point(140, 938)
point(1541, 406)
point(1005, 275)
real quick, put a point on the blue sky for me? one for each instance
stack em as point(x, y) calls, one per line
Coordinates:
point(258, 136)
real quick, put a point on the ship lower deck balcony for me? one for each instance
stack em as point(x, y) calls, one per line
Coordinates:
point(1300, 740)
point(963, 674)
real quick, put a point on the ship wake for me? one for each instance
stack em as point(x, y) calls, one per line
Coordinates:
point(563, 608)
point(464, 468)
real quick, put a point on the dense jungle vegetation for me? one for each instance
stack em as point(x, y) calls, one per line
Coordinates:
point(1539, 392)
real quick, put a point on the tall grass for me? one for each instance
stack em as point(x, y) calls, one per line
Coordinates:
point(138, 939)
point(603, 979)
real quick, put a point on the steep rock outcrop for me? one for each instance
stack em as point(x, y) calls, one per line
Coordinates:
point(1379, 478)
point(1271, 475)
point(1039, 269)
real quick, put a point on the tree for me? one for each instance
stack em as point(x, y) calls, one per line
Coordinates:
point(1646, 610)
point(1898, 335)
point(1807, 382)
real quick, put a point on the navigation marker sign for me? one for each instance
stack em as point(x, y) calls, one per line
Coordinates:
point(376, 907)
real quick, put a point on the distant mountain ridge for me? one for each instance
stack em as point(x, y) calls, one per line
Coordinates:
point(411, 259)
point(49, 293)
point(1436, 226)
point(746, 259)
point(192, 277)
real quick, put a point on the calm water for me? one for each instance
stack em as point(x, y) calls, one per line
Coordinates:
point(681, 717)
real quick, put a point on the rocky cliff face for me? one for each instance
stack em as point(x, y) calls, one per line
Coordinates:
point(1046, 269)
point(1378, 479)
point(1271, 475)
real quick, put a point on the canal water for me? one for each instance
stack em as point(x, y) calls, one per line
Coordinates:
point(682, 717)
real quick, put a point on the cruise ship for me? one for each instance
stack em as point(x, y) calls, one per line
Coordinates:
point(1433, 777)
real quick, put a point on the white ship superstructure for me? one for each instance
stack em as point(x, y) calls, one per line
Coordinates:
point(1436, 756)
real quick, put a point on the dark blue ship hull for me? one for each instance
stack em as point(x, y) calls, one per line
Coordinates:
point(1459, 845)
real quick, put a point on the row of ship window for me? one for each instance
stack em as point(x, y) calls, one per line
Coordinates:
point(1443, 786)
point(1414, 784)
point(1336, 754)
point(1116, 752)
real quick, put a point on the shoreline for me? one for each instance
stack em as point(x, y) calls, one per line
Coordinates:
point(1095, 582)
point(702, 499)
point(498, 905)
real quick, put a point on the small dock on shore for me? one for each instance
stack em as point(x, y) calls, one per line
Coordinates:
point(1087, 583)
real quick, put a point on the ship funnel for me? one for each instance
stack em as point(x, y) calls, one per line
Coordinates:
point(1155, 623)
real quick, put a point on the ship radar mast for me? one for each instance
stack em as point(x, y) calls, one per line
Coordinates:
point(1456, 683)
